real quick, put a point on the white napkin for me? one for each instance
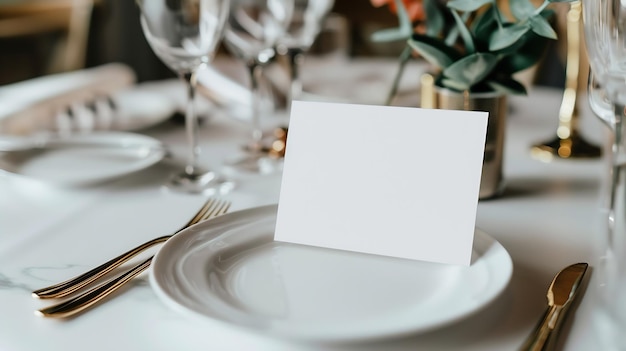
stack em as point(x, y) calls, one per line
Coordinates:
point(223, 88)
point(32, 104)
point(107, 98)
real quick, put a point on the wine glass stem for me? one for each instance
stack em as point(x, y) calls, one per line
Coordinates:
point(191, 123)
point(618, 183)
point(256, 72)
point(613, 260)
point(296, 56)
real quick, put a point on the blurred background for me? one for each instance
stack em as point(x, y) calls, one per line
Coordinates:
point(40, 37)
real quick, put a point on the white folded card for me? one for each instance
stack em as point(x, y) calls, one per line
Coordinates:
point(392, 181)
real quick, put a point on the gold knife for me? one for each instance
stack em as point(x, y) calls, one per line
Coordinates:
point(561, 293)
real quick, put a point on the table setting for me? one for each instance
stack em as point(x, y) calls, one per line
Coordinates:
point(300, 202)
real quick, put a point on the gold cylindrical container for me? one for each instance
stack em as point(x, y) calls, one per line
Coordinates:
point(492, 181)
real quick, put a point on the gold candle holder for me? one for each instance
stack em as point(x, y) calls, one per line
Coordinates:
point(568, 142)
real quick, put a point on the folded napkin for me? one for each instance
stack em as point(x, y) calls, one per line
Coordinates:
point(107, 98)
point(223, 85)
point(31, 105)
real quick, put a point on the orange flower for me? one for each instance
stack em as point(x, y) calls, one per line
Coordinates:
point(414, 8)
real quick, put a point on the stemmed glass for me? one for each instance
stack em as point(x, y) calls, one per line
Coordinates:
point(184, 34)
point(252, 30)
point(306, 23)
point(605, 35)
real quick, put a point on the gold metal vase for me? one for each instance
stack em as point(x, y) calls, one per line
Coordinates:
point(492, 180)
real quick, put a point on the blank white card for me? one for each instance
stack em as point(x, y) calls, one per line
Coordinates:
point(392, 181)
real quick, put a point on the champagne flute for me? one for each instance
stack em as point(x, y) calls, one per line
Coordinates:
point(604, 23)
point(184, 34)
point(252, 30)
point(305, 25)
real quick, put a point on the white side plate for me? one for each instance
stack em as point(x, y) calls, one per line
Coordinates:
point(85, 159)
point(230, 271)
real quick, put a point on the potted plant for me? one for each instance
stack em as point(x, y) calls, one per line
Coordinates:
point(473, 44)
point(476, 50)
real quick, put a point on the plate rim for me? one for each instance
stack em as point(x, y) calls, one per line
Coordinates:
point(107, 138)
point(172, 302)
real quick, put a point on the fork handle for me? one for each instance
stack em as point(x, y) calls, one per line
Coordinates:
point(91, 297)
point(74, 284)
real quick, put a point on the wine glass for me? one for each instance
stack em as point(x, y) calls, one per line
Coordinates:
point(184, 34)
point(604, 24)
point(252, 30)
point(306, 23)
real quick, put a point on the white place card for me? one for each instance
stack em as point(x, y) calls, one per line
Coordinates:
point(392, 181)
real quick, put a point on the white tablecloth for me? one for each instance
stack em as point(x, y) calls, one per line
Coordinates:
point(548, 217)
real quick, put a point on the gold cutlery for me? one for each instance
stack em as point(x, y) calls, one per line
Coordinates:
point(91, 297)
point(560, 295)
point(211, 208)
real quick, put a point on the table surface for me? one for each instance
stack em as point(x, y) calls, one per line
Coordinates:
point(548, 217)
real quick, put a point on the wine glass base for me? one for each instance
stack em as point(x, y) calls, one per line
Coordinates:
point(200, 182)
point(256, 164)
point(567, 148)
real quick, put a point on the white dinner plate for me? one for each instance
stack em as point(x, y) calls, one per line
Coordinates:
point(85, 159)
point(229, 270)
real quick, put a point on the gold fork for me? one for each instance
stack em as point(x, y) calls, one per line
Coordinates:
point(211, 208)
point(97, 294)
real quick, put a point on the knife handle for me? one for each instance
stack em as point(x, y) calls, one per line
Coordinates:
point(543, 337)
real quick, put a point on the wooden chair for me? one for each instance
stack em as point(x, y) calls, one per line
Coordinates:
point(62, 25)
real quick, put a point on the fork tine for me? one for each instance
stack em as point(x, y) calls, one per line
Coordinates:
point(212, 209)
point(220, 208)
point(202, 212)
point(224, 208)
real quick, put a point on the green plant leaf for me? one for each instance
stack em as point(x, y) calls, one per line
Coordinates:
point(467, 5)
point(547, 13)
point(435, 21)
point(454, 85)
point(482, 23)
point(434, 50)
point(482, 27)
point(515, 63)
point(387, 35)
point(471, 69)
point(541, 26)
point(468, 41)
point(520, 47)
point(521, 9)
point(507, 86)
point(453, 34)
point(524, 56)
point(402, 32)
point(507, 36)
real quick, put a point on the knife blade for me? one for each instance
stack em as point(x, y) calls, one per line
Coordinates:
point(561, 293)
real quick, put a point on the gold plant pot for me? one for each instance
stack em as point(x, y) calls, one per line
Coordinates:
point(492, 181)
